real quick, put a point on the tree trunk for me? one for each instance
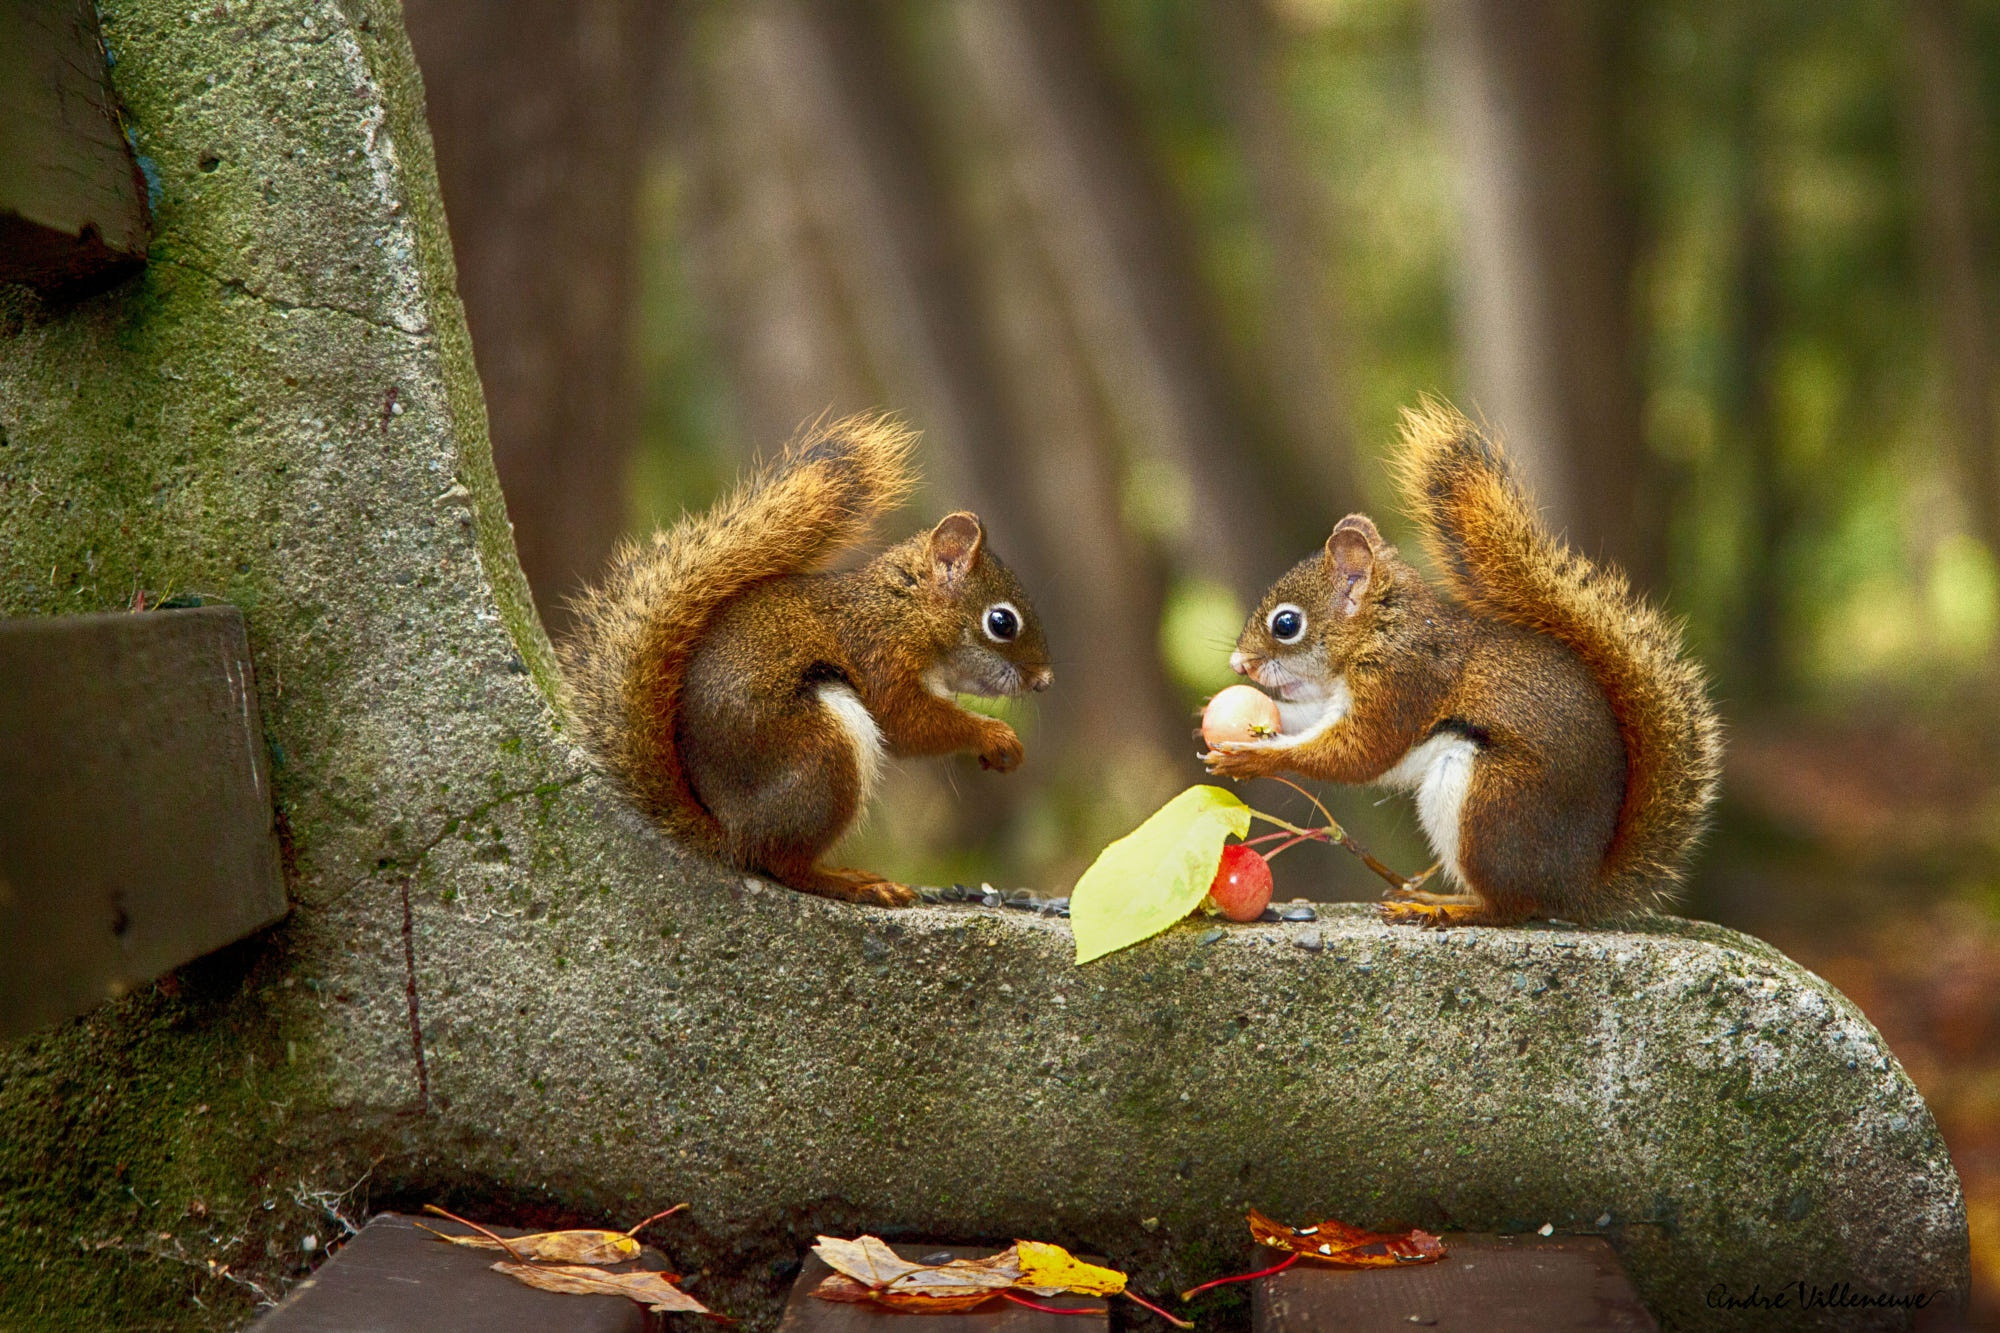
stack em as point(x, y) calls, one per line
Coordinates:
point(1305, 347)
point(762, 262)
point(1547, 243)
point(1949, 145)
point(539, 116)
point(1126, 267)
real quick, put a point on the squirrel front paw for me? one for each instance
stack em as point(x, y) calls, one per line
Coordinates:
point(1241, 760)
point(1001, 750)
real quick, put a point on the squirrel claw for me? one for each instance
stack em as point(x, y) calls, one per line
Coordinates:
point(1429, 916)
point(1234, 762)
point(1003, 754)
point(885, 893)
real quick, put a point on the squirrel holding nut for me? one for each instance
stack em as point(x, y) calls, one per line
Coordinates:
point(744, 697)
point(1560, 744)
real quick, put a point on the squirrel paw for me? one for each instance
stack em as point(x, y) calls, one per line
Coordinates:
point(884, 893)
point(1001, 751)
point(851, 886)
point(1429, 916)
point(1241, 761)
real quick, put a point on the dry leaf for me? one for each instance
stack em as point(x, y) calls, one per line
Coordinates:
point(1049, 1269)
point(866, 1269)
point(839, 1287)
point(1349, 1247)
point(584, 1246)
point(868, 1259)
point(1334, 1243)
point(649, 1289)
point(565, 1247)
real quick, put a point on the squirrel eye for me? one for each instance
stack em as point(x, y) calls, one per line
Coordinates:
point(1288, 624)
point(1002, 622)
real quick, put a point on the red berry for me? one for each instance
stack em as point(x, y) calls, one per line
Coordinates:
point(1242, 886)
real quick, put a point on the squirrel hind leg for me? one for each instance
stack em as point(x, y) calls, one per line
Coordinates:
point(848, 886)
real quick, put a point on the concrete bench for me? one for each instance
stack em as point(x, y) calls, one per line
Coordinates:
point(496, 978)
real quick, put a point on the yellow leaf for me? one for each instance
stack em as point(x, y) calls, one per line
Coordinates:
point(1156, 874)
point(1052, 1268)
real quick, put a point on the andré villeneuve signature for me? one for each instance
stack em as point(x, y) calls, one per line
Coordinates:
point(1800, 1294)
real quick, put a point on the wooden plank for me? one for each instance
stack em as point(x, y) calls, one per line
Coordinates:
point(135, 804)
point(1485, 1284)
point(72, 202)
point(394, 1278)
point(806, 1313)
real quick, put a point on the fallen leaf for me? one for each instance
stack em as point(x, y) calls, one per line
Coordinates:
point(1349, 1247)
point(649, 1289)
point(1156, 874)
point(568, 1247)
point(866, 1259)
point(584, 1246)
point(840, 1287)
point(869, 1261)
point(1334, 1243)
point(1050, 1268)
point(866, 1269)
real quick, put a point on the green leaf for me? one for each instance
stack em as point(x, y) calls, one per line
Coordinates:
point(1156, 874)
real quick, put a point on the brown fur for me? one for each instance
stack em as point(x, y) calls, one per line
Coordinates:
point(1495, 557)
point(697, 671)
point(1596, 750)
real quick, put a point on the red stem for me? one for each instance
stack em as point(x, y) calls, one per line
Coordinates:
point(1192, 1292)
point(1176, 1321)
point(665, 1212)
point(501, 1241)
point(1054, 1309)
point(1317, 835)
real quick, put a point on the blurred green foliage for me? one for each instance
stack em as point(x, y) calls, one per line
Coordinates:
point(1819, 544)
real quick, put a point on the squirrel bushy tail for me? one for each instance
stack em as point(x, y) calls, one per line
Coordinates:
point(624, 664)
point(1494, 555)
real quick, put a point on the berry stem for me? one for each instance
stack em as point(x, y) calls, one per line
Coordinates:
point(1175, 1320)
point(501, 1241)
point(1192, 1292)
point(665, 1212)
point(1316, 836)
point(1337, 834)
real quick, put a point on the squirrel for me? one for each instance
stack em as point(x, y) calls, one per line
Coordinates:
point(1560, 743)
point(744, 697)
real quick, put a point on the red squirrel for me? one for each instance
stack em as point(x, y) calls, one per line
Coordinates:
point(1559, 742)
point(744, 697)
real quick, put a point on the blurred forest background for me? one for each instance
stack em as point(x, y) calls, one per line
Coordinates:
point(1154, 278)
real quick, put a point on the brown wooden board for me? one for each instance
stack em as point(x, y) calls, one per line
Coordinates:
point(395, 1278)
point(806, 1313)
point(135, 804)
point(1484, 1284)
point(72, 203)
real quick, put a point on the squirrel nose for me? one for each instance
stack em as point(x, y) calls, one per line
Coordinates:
point(1044, 678)
point(1239, 662)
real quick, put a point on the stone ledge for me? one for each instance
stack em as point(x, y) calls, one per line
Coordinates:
point(1718, 1113)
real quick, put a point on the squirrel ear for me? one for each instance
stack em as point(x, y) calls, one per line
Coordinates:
point(955, 545)
point(1350, 561)
point(1360, 523)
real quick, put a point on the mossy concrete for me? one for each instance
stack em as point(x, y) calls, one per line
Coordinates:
point(282, 412)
